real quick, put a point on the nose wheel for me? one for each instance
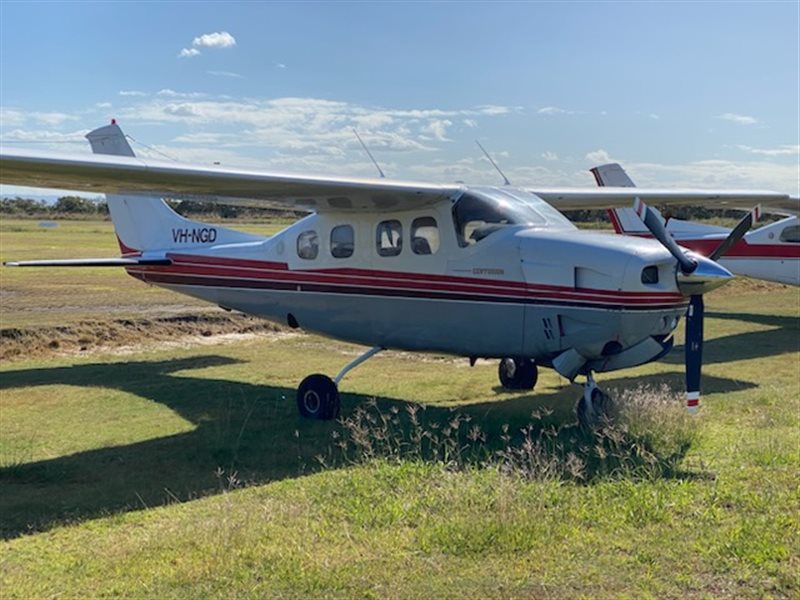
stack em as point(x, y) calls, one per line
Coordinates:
point(518, 373)
point(594, 405)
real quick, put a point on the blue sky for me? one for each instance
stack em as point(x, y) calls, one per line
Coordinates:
point(683, 94)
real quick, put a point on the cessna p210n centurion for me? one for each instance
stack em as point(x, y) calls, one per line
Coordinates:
point(490, 272)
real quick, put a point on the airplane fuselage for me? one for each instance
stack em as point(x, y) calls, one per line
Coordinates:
point(433, 279)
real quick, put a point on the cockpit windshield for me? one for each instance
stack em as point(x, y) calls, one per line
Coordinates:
point(478, 214)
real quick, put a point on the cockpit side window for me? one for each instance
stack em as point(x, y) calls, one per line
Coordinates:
point(389, 238)
point(476, 217)
point(791, 234)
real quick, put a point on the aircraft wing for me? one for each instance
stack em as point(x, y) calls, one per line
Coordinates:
point(613, 197)
point(128, 175)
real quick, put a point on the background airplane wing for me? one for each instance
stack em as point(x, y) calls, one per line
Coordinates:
point(612, 197)
point(127, 175)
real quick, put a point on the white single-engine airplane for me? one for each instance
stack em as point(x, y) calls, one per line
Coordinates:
point(771, 252)
point(472, 271)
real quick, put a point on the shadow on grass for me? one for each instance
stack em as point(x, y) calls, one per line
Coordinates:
point(784, 338)
point(253, 430)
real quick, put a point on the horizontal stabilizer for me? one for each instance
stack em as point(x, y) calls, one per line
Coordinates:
point(91, 262)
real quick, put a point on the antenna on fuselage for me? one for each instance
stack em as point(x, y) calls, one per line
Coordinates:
point(364, 146)
point(494, 164)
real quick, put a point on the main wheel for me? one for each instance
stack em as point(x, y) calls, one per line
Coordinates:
point(318, 398)
point(600, 409)
point(518, 373)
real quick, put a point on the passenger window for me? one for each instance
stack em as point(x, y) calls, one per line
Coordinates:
point(424, 236)
point(342, 241)
point(308, 245)
point(791, 234)
point(389, 238)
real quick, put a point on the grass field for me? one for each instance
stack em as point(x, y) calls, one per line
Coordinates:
point(185, 471)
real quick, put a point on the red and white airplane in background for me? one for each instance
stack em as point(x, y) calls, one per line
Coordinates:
point(474, 271)
point(771, 252)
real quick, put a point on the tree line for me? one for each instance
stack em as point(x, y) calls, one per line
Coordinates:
point(78, 207)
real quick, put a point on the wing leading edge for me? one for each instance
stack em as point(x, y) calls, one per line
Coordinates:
point(124, 175)
point(616, 197)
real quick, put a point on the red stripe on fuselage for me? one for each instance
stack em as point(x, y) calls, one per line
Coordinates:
point(229, 270)
point(741, 249)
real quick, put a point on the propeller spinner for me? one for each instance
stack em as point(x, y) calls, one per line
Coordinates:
point(696, 275)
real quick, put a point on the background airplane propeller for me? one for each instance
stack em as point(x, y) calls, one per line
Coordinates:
point(697, 276)
point(737, 233)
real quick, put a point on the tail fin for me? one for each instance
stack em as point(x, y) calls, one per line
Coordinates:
point(625, 220)
point(145, 224)
point(611, 175)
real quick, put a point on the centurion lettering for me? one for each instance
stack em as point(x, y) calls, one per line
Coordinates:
point(204, 235)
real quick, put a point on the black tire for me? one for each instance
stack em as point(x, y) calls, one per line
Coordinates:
point(318, 398)
point(584, 414)
point(602, 409)
point(517, 373)
point(603, 406)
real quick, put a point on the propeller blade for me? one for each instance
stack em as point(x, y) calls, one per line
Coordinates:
point(737, 232)
point(693, 351)
point(656, 227)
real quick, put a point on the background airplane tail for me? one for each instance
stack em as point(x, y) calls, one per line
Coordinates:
point(149, 224)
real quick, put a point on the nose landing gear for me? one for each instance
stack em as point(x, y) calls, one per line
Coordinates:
point(518, 373)
point(594, 405)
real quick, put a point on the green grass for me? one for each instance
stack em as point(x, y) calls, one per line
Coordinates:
point(57, 296)
point(187, 472)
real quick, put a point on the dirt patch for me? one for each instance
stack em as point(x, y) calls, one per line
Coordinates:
point(129, 334)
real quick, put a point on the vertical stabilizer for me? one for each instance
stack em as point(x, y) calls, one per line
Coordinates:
point(611, 175)
point(109, 140)
point(145, 223)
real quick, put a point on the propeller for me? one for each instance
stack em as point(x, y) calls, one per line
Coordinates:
point(656, 227)
point(696, 276)
point(737, 233)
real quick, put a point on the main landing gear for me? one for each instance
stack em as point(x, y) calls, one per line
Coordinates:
point(518, 373)
point(318, 395)
point(594, 405)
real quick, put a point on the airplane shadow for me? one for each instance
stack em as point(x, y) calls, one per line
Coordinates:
point(251, 430)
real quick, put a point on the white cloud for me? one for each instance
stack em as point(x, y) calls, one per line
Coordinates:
point(740, 119)
point(549, 155)
point(280, 66)
point(437, 129)
point(131, 93)
point(598, 157)
point(10, 117)
point(226, 74)
point(188, 52)
point(218, 39)
point(493, 110)
point(555, 110)
point(654, 116)
point(103, 105)
point(471, 123)
point(168, 93)
point(784, 150)
point(301, 125)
